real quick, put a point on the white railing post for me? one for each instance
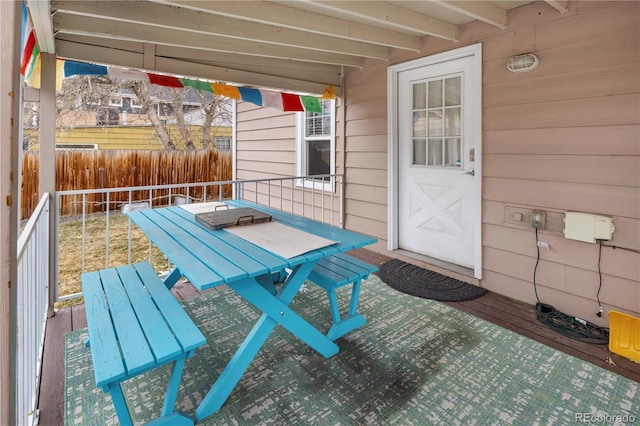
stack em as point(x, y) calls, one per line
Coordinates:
point(32, 307)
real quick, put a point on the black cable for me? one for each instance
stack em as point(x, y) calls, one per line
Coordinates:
point(569, 326)
point(599, 314)
point(535, 290)
point(572, 327)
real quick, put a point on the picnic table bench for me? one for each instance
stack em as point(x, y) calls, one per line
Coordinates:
point(334, 272)
point(136, 325)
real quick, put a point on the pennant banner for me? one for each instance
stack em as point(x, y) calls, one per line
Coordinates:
point(279, 100)
point(30, 50)
point(30, 69)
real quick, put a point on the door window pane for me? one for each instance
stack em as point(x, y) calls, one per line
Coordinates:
point(452, 152)
point(420, 96)
point(435, 94)
point(419, 124)
point(436, 123)
point(420, 152)
point(435, 152)
point(452, 91)
point(452, 121)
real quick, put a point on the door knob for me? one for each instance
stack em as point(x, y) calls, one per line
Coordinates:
point(471, 172)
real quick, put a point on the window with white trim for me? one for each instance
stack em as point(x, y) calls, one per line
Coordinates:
point(115, 101)
point(135, 103)
point(316, 145)
point(222, 143)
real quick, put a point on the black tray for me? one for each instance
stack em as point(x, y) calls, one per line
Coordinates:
point(233, 217)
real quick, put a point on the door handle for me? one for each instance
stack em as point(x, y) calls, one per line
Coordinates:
point(471, 172)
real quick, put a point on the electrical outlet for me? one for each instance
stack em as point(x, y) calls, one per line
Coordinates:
point(543, 245)
point(536, 219)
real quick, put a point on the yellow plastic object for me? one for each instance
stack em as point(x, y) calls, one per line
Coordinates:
point(624, 335)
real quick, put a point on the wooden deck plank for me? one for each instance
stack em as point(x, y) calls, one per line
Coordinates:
point(78, 317)
point(51, 399)
point(511, 314)
point(520, 318)
point(184, 290)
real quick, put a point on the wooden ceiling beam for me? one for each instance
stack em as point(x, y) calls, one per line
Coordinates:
point(302, 20)
point(393, 15)
point(40, 12)
point(480, 10)
point(118, 30)
point(166, 17)
point(560, 5)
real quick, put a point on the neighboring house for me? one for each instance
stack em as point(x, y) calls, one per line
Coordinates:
point(122, 123)
point(106, 107)
point(128, 137)
point(563, 137)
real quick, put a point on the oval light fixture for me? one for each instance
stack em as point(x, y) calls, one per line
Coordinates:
point(522, 63)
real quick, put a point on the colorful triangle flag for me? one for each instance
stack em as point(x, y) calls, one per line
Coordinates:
point(329, 93)
point(271, 99)
point(250, 95)
point(291, 102)
point(226, 90)
point(311, 104)
point(30, 49)
point(125, 74)
point(81, 68)
point(164, 80)
point(204, 86)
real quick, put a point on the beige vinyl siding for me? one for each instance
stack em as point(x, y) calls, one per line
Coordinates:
point(564, 137)
point(266, 148)
point(366, 151)
point(267, 142)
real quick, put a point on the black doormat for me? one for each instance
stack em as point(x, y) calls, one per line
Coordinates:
point(417, 281)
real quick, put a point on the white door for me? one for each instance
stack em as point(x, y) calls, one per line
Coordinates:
point(438, 146)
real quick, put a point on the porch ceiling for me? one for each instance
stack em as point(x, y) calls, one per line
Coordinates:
point(293, 45)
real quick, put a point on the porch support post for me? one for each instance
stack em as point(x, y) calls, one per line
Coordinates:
point(10, 124)
point(47, 177)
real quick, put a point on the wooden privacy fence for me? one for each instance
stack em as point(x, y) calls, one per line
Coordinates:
point(76, 170)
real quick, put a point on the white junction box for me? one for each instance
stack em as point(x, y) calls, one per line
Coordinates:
point(587, 227)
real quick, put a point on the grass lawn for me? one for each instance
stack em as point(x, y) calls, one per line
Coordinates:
point(95, 248)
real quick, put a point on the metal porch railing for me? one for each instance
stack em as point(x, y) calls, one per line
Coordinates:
point(31, 310)
point(107, 238)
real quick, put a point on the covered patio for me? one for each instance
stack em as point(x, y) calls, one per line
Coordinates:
point(401, 387)
point(309, 47)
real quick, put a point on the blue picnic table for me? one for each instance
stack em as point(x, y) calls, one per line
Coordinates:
point(210, 258)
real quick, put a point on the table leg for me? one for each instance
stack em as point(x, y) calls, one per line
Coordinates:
point(279, 311)
point(276, 310)
point(172, 278)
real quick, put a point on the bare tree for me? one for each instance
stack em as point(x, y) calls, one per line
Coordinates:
point(217, 110)
point(141, 89)
point(92, 100)
point(183, 128)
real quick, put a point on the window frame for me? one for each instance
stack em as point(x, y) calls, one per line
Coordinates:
point(225, 140)
point(301, 151)
point(134, 103)
point(115, 101)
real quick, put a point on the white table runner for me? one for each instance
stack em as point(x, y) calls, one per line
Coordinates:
point(209, 206)
point(280, 239)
